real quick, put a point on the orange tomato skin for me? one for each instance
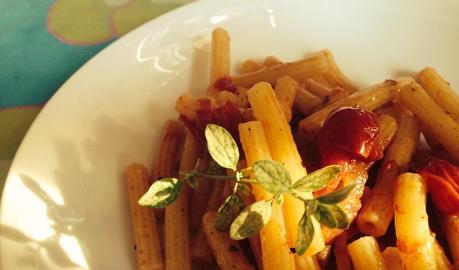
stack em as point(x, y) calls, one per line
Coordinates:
point(442, 180)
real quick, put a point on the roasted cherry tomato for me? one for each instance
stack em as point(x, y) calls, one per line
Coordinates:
point(442, 180)
point(349, 134)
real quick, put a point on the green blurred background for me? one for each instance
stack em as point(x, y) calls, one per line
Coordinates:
point(42, 43)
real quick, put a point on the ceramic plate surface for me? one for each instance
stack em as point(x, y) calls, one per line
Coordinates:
point(64, 204)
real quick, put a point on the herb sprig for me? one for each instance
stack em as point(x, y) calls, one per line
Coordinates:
point(245, 222)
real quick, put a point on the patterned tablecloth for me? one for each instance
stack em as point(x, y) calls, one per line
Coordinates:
point(43, 42)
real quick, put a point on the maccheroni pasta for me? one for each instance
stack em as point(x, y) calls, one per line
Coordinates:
point(293, 166)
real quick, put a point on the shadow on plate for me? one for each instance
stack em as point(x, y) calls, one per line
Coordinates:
point(62, 225)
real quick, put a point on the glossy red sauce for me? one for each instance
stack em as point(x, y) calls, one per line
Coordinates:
point(225, 83)
point(227, 115)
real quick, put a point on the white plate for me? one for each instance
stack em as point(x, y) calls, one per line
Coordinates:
point(64, 204)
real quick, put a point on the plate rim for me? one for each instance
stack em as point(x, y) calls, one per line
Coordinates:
point(160, 19)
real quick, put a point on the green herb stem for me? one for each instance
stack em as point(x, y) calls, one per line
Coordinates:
point(216, 177)
point(248, 181)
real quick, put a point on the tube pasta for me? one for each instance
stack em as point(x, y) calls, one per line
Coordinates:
point(281, 144)
point(423, 258)
point(323, 257)
point(242, 100)
point(410, 215)
point(299, 71)
point(286, 90)
point(271, 61)
point(255, 245)
point(166, 161)
point(431, 140)
point(441, 259)
point(388, 126)
point(440, 91)
point(411, 223)
point(369, 99)
point(226, 96)
point(335, 76)
point(275, 251)
point(176, 234)
point(283, 149)
point(402, 147)
point(392, 258)
point(186, 105)
point(306, 102)
point(251, 65)
point(201, 250)
point(433, 118)
point(342, 257)
point(228, 253)
point(323, 81)
point(199, 199)
point(148, 249)
point(365, 254)
point(377, 212)
point(220, 55)
point(450, 225)
point(316, 88)
point(335, 95)
point(255, 240)
point(307, 263)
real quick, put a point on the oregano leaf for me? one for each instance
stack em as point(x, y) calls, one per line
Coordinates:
point(303, 196)
point(310, 207)
point(222, 146)
point(251, 220)
point(279, 199)
point(227, 212)
point(272, 176)
point(317, 179)
point(305, 234)
point(336, 196)
point(244, 189)
point(340, 216)
point(325, 216)
point(214, 169)
point(162, 193)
